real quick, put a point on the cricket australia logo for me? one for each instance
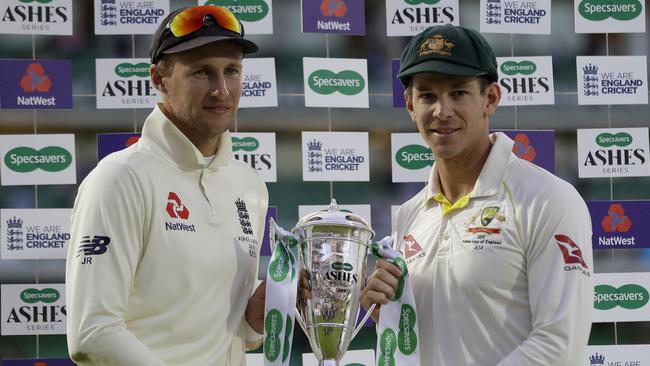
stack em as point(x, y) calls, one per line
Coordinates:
point(590, 80)
point(15, 234)
point(436, 44)
point(108, 13)
point(244, 218)
point(493, 12)
point(315, 156)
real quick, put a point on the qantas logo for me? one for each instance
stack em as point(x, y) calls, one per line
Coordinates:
point(570, 250)
point(411, 249)
point(175, 208)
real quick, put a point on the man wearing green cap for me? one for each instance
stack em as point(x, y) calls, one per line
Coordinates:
point(498, 249)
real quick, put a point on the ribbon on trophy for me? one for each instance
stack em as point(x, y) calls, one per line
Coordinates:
point(397, 330)
point(281, 293)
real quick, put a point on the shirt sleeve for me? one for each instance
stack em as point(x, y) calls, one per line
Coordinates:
point(105, 247)
point(557, 230)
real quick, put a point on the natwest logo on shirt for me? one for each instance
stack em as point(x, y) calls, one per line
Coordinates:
point(177, 210)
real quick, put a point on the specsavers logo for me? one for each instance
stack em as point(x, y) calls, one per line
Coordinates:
point(620, 139)
point(127, 69)
point(514, 68)
point(597, 10)
point(630, 296)
point(245, 144)
point(273, 326)
point(347, 82)
point(414, 157)
point(418, 2)
point(407, 339)
point(46, 295)
point(26, 159)
point(387, 347)
point(245, 10)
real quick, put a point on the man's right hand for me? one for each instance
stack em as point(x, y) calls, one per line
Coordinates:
point(381, 286)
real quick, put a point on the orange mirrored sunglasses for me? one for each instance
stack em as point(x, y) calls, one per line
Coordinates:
point(192, 19)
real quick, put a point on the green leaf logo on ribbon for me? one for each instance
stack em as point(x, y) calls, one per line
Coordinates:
point(387, 345)
point(26, 159)
point(407, 339)
point(245, 10)
point(401, 263)
point(414, 157)
point(513, 68)
point(620, 139)
point(627, 296)
point(597, 10)
point(126, 69)
point(279, 266)
point(488, 213)
point(46, 295)
point(273, 326)
point(246, 144)
point(416, 2)
point(346, 82)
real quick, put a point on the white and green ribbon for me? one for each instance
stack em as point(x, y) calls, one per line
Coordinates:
point(281, 293)
point(397, 330)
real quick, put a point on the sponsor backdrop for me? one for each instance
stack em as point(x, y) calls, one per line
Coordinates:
point(35, 232)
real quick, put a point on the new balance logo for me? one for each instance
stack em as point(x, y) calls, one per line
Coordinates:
point(175, 208)
point(97, 245)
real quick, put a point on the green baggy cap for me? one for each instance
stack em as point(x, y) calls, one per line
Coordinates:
point(448, 49)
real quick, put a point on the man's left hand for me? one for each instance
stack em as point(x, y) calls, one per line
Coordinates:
point(255, 308)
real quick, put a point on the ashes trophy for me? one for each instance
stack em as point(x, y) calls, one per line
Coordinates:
point(333, 254)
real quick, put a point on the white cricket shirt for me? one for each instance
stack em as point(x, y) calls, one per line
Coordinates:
point(504, 278)
point(163, 254)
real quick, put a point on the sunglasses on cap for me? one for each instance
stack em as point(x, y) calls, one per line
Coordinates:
point(196, 26)
point(192, 19)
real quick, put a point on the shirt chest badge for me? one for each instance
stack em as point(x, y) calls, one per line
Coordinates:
point(247, 241)
point(484, 228)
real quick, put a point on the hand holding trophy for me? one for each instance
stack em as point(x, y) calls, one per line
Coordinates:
point(331, 247)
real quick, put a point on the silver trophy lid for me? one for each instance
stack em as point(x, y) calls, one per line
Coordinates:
point(334, 217)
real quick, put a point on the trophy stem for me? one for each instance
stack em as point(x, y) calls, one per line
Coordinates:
point(328, 363)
